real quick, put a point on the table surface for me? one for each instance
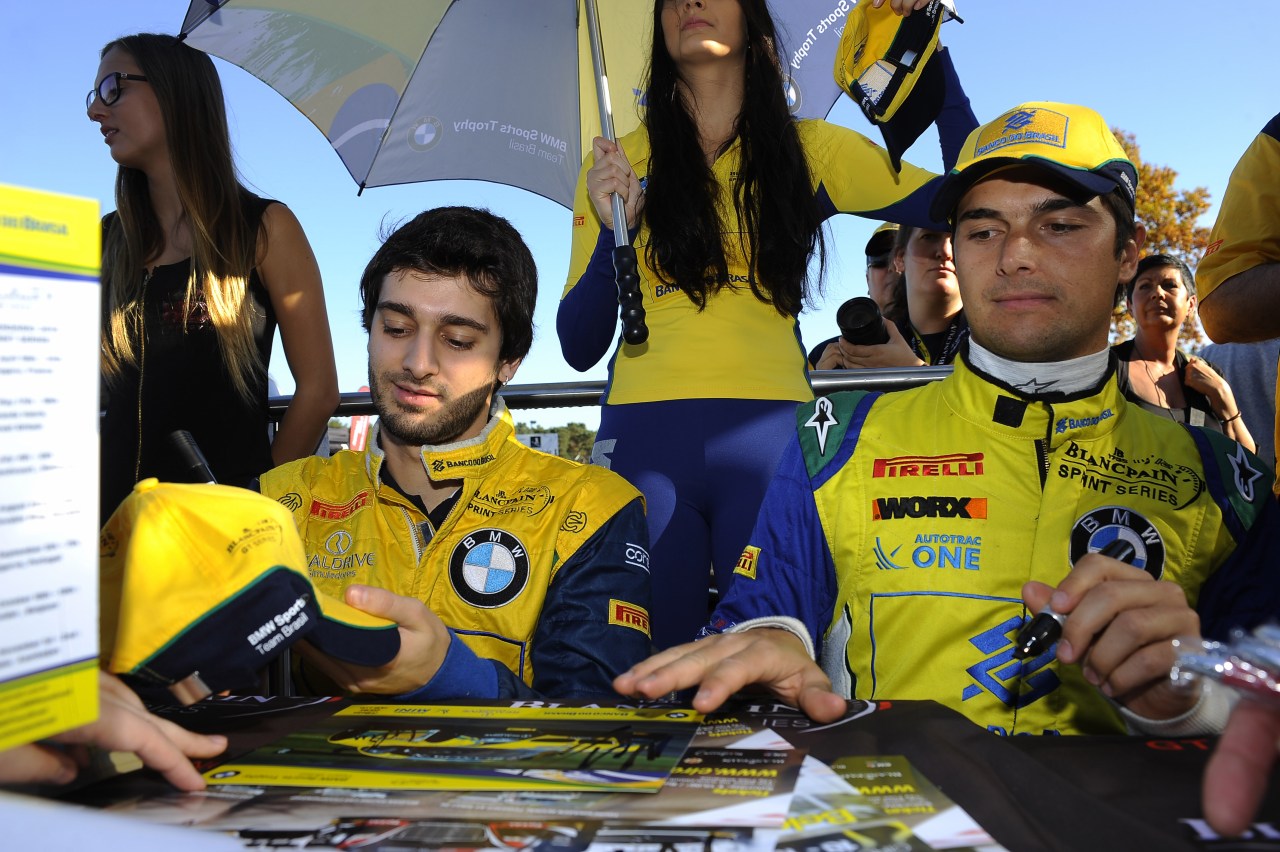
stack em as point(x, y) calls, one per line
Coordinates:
point(1067, 793)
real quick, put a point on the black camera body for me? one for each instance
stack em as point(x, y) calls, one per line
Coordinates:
point(861, 322)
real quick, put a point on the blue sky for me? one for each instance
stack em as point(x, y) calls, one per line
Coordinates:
point(1189, 81)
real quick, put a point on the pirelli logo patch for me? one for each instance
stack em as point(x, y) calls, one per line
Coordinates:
point(334, 512)
point(628, 615)
point(953, 464)
point(748, 561)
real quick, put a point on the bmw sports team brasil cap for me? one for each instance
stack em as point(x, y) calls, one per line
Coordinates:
point(204, 585)
point(1072, 141)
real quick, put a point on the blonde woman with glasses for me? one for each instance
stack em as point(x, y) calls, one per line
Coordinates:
point(197, 274)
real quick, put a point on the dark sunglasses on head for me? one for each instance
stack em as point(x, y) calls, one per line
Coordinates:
point(880, 261)
point(108, 88)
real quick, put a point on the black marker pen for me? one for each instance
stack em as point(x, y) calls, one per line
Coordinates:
point(1038, 634)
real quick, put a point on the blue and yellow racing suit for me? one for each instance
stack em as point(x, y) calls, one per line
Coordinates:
point(901, 528)
point(697, 416)
point(540, 570)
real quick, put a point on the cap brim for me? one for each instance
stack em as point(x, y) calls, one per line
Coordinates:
point(226, 646)
point(348, 634)
point(880, 244)
point(956, 184)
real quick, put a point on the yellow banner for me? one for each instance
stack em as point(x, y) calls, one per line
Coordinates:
point(44, 230)
point(48, 703)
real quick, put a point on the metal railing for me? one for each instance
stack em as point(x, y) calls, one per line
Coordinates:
point(587, 393)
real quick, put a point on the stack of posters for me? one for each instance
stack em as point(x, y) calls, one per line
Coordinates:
point(573, 778)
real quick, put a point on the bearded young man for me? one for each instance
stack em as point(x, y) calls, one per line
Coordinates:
point(511, 573)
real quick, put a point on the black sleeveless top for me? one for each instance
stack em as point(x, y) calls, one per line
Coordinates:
point(181, 381)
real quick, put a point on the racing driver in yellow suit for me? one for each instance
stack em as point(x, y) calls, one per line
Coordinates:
point(907, 536)
point(511, 572)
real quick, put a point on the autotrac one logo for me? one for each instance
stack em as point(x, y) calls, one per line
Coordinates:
point(892, 508)
point(932, 550)
point(489, 568)
point(1097, 529)
point(1016, 683)
point(1065, 423)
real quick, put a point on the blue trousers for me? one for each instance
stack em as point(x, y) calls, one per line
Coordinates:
point(703, 466)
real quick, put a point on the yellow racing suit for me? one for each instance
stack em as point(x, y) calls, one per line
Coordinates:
point(540, 570)
point(900, 529)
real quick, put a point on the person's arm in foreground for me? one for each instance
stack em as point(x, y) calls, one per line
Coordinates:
point(292, 277)
point(1237, 774)
point(123, 724)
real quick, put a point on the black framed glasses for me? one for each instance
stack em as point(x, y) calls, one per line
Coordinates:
point(108, 88)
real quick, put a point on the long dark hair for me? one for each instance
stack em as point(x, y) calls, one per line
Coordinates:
point(773, 198)
point(223, 241)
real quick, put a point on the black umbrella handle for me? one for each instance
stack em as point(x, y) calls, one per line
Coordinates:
point(625, 268)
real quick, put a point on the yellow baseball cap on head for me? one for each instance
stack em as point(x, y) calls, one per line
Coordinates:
point(1071, 141)
point(204, 585)
point(884, 62)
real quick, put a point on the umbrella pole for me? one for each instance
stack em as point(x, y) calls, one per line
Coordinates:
point(625, 266)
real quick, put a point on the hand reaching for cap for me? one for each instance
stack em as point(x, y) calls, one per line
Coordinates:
point(424, 640)
point(123, 725)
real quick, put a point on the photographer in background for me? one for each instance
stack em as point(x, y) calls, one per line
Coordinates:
point(934, 326)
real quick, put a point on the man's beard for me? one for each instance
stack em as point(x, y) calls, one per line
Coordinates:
point(415, 428)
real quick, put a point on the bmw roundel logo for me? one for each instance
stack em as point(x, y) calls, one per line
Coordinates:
point(489, 568)
point(425, 133)
point(1095, 530)
point(795, 99)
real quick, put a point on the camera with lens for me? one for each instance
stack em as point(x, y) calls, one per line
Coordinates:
point(861, 323)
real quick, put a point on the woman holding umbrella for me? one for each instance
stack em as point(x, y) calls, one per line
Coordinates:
point(197, 272)
point(725, 195)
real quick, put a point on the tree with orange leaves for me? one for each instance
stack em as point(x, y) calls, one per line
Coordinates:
point(1171, 217)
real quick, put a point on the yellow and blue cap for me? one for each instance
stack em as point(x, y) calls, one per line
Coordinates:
point(1071, 141)
point(204, 585)
point(885, 62)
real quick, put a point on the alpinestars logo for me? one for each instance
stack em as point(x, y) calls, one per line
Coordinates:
point(821, 421)
point(1016, 683)
point(892, 508)
point(1244, 472)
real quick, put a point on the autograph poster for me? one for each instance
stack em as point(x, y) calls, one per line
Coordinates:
point(454, 747)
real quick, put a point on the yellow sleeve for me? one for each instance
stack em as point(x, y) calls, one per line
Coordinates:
point(1247, 232)
point(856, 173)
